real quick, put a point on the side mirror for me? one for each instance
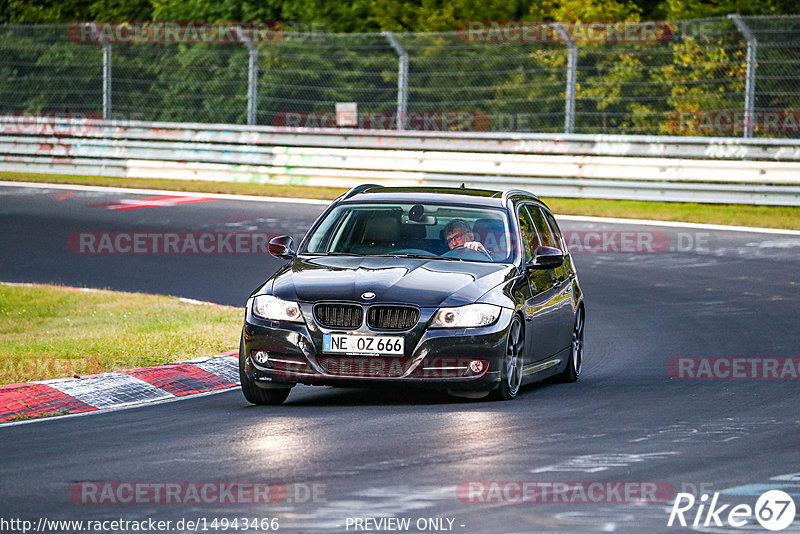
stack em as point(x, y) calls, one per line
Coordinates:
point(546, 258)
point(281, 247)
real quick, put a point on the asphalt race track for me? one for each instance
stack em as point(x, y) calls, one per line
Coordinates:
point(343, 460)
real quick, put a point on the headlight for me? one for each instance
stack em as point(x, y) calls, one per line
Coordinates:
point(269, 307)
point(467, 316)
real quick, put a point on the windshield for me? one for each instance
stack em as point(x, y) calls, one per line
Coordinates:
point(414, 230)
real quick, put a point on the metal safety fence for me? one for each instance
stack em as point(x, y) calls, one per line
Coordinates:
point(676, 169)
point(723, 77)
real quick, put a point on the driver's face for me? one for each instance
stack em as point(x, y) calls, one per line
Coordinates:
point(458, 238)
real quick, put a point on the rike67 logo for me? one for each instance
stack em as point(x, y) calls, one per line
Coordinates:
point(774, 510)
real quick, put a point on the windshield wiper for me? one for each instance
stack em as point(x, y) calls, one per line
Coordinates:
point(415, 256)
point(419, 256)
point(333, 254)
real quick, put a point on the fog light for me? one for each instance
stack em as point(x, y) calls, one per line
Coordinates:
point(261, 357)
point(476, 366)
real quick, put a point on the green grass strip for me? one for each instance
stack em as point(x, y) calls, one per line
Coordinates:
point(51, 331)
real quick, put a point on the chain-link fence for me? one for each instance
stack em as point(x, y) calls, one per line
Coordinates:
point(730, 76)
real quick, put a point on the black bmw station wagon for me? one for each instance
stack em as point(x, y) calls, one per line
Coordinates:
point(472, 291)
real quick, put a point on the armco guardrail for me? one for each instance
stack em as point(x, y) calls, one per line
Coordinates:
point(726, 170)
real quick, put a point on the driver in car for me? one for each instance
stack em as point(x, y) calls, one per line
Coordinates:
point(458, 233)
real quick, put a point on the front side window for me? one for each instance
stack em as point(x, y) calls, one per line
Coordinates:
point(530, 238)
point(545, 235)
point(559, 237)
point(413, 229)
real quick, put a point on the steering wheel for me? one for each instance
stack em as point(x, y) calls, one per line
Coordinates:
point(462, 248)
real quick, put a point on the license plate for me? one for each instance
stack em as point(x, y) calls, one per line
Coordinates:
point(358, 344)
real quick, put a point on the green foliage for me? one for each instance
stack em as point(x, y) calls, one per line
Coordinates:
point(45, 11)
point(377, 15)
point(442, 15)
point(622, 87)
point(130, 10)
point(52, 12)
point(569, 11)
point(691, 9)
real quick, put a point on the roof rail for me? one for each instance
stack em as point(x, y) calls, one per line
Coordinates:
point(359, 189)
point(510, 192)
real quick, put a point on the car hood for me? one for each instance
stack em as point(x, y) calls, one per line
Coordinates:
point(422, 282)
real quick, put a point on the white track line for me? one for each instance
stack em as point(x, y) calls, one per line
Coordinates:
point(104, 189)
point(675, 224)
point(251, 198)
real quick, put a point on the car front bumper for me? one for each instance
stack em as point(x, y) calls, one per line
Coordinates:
point(458, 359)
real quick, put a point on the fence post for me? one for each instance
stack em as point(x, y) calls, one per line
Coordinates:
point(252, 74)
point(572, 68)
point(106, 81)
point(750, 75)
point(402, 79)
point(252, 84)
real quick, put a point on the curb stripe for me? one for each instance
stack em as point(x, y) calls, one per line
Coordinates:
point(34, 399)
point(119, 389)
point(109, 389)
point(180, 379)
point(222, 367)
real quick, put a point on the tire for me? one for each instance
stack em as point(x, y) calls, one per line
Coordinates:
point(573, 369)
point(511, 370)
point(253, 393)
